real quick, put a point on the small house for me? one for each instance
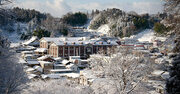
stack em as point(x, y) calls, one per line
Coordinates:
point(87, 77)
point(46, 66)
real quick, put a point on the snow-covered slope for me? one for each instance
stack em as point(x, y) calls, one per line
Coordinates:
point(104, 29)
point(146, 35)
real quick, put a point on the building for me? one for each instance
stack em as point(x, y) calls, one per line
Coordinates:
point(77, 46)
point(46, 41)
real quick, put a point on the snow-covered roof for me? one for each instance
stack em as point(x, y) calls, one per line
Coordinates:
point(60, 43)
point(70, 65)
point(30, 69)
point(33, 62)
point(58, 58)
point(41, 50)
point(27, 52)
point(65, 62)
point(44, 62)
point(38, 68)
point(30, 41)
point(77, 41)
point(49, 39)
point(44, 57)
point(157, 72)
point(61, 70)
point(59, 65)
point(52, 76)
point(31, 76)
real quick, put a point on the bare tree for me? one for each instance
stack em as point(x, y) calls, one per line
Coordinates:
point(125, 70)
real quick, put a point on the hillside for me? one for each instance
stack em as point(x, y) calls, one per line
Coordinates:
point(121, 24)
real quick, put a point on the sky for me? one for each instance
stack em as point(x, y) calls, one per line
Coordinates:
point(58, 8)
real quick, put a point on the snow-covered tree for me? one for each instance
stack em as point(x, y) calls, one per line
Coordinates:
point(172, 7)
point(61, 86)
point(12, 76)
point(125, 71)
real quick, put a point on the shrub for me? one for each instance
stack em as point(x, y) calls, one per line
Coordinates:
point(41, 33)
point(159, 28)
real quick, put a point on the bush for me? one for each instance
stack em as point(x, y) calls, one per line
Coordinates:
point(41, 33)
point(159, 28)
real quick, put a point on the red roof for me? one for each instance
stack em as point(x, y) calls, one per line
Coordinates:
point(139, 45)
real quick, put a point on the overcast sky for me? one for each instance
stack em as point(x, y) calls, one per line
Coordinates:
point(60, 7)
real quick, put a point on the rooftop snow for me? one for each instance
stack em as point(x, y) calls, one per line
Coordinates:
point(30, 41)
point(41, 50)
point(30, 70)
point(30, 76)
point(65, 62)
point(78, 41)
point(70, 65)
point(44, 62)
point(32, 62)
point(43, 57)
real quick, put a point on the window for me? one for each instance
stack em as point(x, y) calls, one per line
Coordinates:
point(66, 48)
point(71, 48)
